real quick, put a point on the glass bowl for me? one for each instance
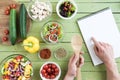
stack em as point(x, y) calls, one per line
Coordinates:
point(15, 67)
point(60, 53)
point(65, 11)
point(45, 53)
point(52, 70)
point(39, 10)
point(52, 32)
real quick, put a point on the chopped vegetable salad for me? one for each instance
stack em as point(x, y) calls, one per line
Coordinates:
point(17, 68)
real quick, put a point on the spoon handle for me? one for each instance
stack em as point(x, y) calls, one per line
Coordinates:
point(79, 77)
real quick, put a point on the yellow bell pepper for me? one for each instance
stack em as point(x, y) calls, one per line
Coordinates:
point(31, 44)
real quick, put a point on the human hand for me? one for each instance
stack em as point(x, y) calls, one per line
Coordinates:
point(104, 51)
point(72, 65)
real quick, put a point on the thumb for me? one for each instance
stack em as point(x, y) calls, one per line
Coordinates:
point(76, 58)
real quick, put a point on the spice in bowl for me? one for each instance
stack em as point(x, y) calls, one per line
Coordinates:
point(45, 53)
point(60, 53)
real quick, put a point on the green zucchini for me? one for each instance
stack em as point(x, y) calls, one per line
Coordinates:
point(23, 20)
point(13, 33)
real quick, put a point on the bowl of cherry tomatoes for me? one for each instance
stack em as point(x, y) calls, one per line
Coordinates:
point(50, 71)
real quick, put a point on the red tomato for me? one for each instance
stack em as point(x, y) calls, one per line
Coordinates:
point(13, 6)
point(48, 76)
point(7, 12)
point(52, 76)
point(49, 70)
point(19, 57)
point(43, 72)
point(6, 31)
point(56, 70)
point(5, 39)
point(52, 70)
point(7, 77)
point(45, 75)
point(56, 73)
point(49, 65)
point(53, 66)
point(45, 67)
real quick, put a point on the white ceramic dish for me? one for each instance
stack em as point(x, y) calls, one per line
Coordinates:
point(57, 77)
point(58, 10)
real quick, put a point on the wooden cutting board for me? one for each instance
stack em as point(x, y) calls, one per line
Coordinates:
point(4, 21)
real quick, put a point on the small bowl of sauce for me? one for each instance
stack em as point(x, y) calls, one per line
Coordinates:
point(44, 53)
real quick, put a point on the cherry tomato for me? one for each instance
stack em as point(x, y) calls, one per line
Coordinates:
point(5, 39)
point(48, 76)
point(56, 70)
point(52, 70)
point(49, 70)
point(19, 57)
point(49, 65)
point(56, 73)
point(7, 77)
point(52, 76)
point(45, 75)
point(7, 12)
point(53, 66)
point(13, 6)
point(45, 67)
point(43, 71)
point(6, 31)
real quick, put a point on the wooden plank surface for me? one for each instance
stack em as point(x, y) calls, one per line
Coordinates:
point(85, 7)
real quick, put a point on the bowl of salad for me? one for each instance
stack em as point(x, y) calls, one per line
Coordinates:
point(66, 9)
point(52, 32)
point(16, 67)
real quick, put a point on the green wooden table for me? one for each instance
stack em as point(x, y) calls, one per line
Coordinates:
point(85, 7)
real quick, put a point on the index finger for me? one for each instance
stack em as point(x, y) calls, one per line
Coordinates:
point(95, 41)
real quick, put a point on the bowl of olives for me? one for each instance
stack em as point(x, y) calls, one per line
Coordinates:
point(66, 9)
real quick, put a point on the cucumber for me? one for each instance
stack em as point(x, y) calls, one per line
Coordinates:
point(13, 34)
point(23, 20)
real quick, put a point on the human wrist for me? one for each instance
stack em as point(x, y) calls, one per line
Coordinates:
point(112, 67)
point(69, 76)
point(110, 63)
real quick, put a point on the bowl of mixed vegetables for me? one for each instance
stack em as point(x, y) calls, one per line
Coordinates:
point(16, 67)
point(52, 32)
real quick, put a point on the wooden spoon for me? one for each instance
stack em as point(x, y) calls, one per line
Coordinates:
point(76, 43)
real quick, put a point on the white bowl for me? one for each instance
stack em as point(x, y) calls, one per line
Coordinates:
point(39, 11)
point(58, 6)
point(57, 77)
